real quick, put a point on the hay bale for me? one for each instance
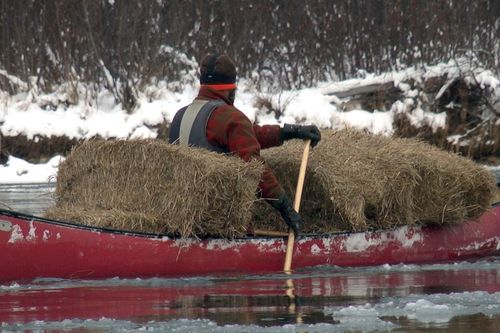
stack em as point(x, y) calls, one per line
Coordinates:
point(357, 181)
point(152, 186)
point(106, 218)
point(452, 188)
point(354, 181)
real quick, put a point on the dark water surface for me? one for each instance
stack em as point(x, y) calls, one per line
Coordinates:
point(30, 198)
point(453, 297)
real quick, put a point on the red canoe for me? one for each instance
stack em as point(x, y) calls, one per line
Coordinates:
point(33, 247)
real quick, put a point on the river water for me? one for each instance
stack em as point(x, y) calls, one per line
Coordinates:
point(452, 297)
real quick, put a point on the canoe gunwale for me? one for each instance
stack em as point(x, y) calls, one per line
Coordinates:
point(36, 247)
point(28, 217)
point(74, 225)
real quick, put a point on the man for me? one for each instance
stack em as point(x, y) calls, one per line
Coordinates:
point(211, 121)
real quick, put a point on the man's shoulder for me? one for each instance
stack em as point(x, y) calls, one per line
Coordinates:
point(229, 113)
point(229, 109)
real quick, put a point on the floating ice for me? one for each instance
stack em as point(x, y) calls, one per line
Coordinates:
point(434, 308)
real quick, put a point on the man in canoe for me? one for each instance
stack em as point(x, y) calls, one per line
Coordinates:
point(212, 121)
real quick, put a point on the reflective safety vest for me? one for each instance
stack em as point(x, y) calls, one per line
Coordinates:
point(189, 126)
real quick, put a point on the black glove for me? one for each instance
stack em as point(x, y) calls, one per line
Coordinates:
point(301, 132)
point(291, 217)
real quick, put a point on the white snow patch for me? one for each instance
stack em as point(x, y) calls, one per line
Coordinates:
point(222, 244)
point(376, 122)
point(427, 311)
point(406, 236)
point(435, 308)
point(31, 233)
point(16, 234)
point(269, 246)
point(11, 286)
point(315, 249)
point(478, 245)
point(360, 242)
point(184, 242)
point(19, 171)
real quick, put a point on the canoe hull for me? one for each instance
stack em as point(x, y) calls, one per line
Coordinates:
point(31, 247)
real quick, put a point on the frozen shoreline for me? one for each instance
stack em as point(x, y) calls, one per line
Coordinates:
point(36, 115)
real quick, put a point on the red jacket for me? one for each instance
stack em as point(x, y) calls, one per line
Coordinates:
point(229, 127)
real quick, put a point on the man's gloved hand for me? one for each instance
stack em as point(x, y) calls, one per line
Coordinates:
point(301, 132)
point(291, 217)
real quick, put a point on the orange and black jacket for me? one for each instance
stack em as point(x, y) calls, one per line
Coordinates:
point(229, 129)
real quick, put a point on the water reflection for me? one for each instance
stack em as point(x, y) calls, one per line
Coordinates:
point(335, 297)
point(427, 298)
point(31, 198)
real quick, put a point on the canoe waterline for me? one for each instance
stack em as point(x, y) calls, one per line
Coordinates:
point(33, 247)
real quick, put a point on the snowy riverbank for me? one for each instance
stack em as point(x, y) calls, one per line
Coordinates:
point(96, 113)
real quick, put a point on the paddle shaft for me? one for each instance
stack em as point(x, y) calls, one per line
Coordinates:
point(296, 206)
point(269, 233)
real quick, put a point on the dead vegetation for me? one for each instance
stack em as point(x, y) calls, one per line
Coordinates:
point(357, 181)
point(151, 186)
point(38, 149)
point(354, 181)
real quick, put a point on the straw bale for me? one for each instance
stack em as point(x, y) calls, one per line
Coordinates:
point(105, 218)
point(356, 181)
point(152, 186)
point(452, 188)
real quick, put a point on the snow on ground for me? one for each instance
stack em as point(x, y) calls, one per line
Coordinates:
point(19, 171)
point(57, 113)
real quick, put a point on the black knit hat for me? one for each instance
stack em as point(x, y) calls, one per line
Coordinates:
point(217, 69)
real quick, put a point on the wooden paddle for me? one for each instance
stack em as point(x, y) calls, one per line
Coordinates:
point(296, 205)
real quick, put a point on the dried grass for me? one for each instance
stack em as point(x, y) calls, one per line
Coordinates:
point(151, 186)
point(357, 181)
point(354, 181)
